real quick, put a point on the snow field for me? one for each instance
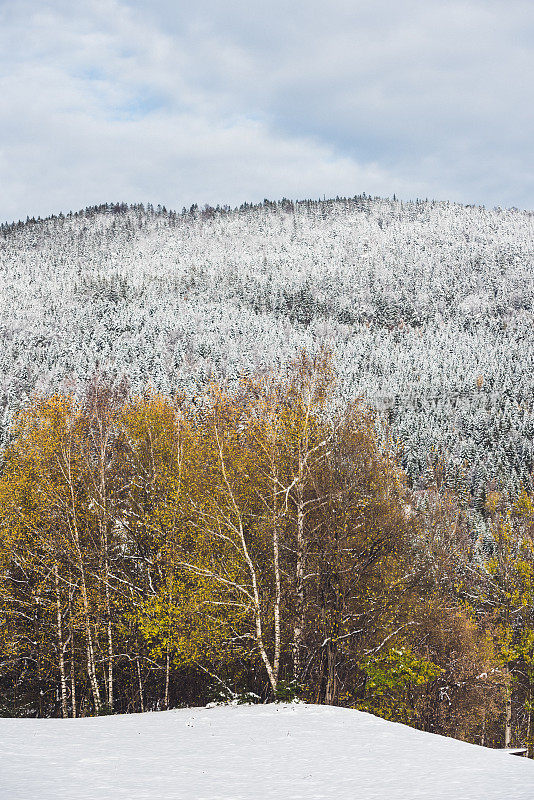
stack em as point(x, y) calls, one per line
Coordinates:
point(287, 752)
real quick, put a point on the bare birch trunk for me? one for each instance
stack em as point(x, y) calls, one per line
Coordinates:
point(508, 710)
point(72, 662)
point(530, 720)
point(91, 667)
point(298, 630)
point(110, 645)
point(61, 648)
point(72, 682)
point(140, 685)
point(167, 676)
point(277, 581)
point(110, 667)
point(103, 523)
point(260, 643)
point(331, 675)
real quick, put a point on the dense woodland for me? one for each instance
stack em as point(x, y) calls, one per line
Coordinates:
point(190, 512)
point(259, 543)
point(427, 308)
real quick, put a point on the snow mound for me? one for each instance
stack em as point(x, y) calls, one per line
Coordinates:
point(285, 752)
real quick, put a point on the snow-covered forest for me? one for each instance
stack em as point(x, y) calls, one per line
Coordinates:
point(426, 306)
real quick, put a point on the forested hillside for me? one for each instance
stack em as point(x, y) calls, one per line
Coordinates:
point(427, 308)
point(194, 503)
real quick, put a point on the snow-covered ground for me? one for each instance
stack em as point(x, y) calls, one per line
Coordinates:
point(249, 753)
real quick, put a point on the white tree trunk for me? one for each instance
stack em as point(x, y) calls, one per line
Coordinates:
point(61, 647)
point(508, 710)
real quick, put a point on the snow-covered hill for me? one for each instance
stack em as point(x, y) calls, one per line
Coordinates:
point(249, 753)
point(427, 306)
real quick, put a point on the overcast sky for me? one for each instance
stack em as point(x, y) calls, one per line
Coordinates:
point(225, 101)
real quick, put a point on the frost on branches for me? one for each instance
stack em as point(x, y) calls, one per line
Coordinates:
point(427, 307)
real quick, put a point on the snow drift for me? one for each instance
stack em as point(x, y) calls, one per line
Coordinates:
point(286, 752)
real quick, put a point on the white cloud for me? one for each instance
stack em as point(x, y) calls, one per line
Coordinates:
point(215, 102)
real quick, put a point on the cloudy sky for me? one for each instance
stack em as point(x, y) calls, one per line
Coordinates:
point(222, 101)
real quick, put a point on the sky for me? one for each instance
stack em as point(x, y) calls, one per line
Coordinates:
point(228, 101)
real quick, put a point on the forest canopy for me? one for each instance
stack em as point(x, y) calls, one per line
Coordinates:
point(426, 306)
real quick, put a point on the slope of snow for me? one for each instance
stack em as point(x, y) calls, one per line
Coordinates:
point(249, 753)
